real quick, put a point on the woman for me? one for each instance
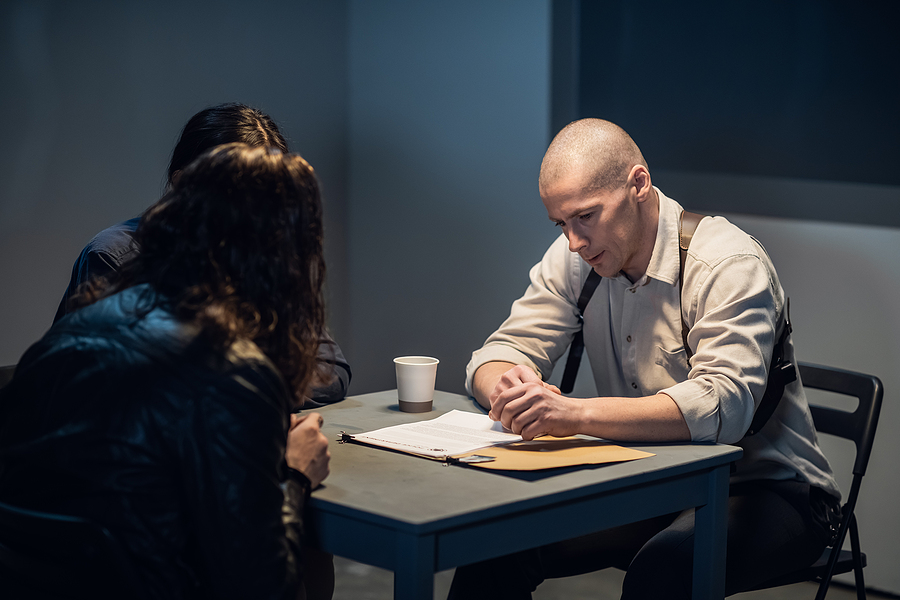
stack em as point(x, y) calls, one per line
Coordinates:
point(160, 409)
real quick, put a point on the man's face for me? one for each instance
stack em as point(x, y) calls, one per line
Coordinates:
point(601, 226)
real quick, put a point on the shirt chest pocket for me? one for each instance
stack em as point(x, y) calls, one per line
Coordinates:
point(665, 369)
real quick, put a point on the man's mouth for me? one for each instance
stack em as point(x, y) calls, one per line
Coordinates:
point(594, 260)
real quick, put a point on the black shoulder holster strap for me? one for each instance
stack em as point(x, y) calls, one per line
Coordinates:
point(781, 371)
point(577, 348)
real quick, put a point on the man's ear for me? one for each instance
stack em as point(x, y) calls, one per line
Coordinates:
point(639, 179)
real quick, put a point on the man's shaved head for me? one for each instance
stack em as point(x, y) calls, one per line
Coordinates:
point(600, 151)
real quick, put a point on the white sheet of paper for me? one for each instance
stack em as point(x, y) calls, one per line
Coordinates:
point(453, 433)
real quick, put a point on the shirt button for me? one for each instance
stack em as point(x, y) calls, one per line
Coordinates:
point(628, 339)
point(632, 290)
point(634, 385)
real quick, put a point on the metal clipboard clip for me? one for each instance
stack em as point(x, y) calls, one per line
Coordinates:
point(472, 459)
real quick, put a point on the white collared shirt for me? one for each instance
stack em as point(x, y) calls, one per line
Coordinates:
point(733, 306)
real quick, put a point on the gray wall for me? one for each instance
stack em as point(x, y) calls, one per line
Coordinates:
point(94, 97)
point(449, 108)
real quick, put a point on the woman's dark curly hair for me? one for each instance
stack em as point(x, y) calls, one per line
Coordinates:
point(236, 247)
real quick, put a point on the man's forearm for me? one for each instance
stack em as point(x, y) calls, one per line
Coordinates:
point(485, 380)
point(649, 419)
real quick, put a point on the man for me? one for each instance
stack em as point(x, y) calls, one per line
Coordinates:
point(114, 246)
point(596, 187)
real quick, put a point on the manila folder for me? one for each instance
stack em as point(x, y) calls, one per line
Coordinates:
point(550, 453)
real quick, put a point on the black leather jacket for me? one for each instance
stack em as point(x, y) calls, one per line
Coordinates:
point(136, 423)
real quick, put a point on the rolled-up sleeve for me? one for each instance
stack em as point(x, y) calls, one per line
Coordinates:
point(542, 322)
point(732, 310)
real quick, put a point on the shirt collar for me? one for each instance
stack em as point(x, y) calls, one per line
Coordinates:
point(665, 261)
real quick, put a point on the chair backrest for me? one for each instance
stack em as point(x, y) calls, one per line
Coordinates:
point(69, 557)
point(859, 425)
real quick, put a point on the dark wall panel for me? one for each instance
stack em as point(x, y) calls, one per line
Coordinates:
point(805, 89)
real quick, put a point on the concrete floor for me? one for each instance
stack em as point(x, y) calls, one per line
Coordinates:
point(355, 581)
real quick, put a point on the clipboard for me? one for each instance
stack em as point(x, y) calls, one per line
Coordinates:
point(535, 455)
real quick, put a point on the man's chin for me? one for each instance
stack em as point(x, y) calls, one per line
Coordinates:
point(603, 271)
point(596, 263)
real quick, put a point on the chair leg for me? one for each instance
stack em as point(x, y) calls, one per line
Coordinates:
point(857, 560)
point(823, 588)
point(847, 518)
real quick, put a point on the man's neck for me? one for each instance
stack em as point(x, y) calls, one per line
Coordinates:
point(648, 213)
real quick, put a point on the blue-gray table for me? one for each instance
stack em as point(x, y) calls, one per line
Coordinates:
point(415, 516)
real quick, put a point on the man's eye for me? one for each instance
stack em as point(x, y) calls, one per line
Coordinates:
point(585, 216)
point(558, 223)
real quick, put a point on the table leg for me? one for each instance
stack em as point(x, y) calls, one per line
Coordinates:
point(414, 572)
point(710, 536)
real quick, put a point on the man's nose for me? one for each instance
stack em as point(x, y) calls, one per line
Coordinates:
point(577, 242)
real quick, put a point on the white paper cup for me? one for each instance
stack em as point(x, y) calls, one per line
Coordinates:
point(415, 382)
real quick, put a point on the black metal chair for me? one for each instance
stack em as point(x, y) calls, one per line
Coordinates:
point(858, 426)
point(45, 555)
